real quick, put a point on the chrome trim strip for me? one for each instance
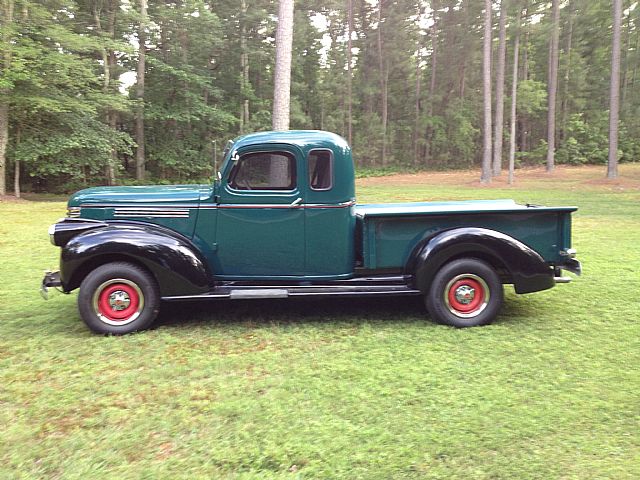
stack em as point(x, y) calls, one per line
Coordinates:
point(286, 205)
point(151, 212)
point(138, 205)
point(562, 279)
point(181, 208)
point(73, 212)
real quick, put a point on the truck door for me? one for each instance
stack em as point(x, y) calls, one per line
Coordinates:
point(260, 228)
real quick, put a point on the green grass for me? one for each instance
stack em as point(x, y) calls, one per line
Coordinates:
point(333, 388)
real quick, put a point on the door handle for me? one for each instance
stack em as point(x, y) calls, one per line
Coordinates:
point(296, 202)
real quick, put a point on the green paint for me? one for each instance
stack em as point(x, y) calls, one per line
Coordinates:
point(304, 233)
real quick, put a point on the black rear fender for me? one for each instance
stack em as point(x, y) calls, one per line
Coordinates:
point(515, 262)
point(172, 259)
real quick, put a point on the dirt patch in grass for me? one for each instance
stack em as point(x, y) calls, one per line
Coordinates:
point(591, 175)
point(11, 198)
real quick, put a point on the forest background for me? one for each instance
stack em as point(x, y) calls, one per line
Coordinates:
point(131, 91)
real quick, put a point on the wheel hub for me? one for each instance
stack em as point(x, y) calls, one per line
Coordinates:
point(465, 294)
point(119, 300)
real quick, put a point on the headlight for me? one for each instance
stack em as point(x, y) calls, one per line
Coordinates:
point(73, 212)
point(52, 234)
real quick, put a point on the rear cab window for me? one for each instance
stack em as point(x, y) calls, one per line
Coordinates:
point(320, 168)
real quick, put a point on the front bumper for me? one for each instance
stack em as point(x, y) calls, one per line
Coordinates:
point(51, 279)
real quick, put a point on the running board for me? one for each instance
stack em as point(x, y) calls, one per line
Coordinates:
point(245, 292)
point(258, 293)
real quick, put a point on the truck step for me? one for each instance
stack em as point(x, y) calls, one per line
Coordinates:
point(244, 292)
point(258, 293)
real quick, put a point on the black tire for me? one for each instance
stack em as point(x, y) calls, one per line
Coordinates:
point(118, 298)
point(465, 293)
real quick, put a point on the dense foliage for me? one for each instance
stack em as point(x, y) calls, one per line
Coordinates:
point(415, 96)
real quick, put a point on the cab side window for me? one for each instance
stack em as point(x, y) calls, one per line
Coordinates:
point(320, 167)
point(264, 171)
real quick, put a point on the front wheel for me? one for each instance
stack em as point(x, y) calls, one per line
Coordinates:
point(118, 298)
point(465, 293)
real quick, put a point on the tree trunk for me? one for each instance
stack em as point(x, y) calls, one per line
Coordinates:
point(6, 21)
point(486, 94)
point(183, 39)
point(16, 179)
point(432, 82)
point(107, 59)
point(140, 151)
point(282, 80)
point(16, 171)
point(523, 124)
point(465, 50)
point(553, 85)
point(244, 69)
point(384, 73)
point(416, 126)
point(635, 64)
point(564, 106)
point(614, 104)
point(349, 72)
point(499, 121)
point(434, 59)
point(514, 94)
point(625, 62)
point(4, 139)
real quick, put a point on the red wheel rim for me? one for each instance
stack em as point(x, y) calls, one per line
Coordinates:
point(115, 296)
point(466, 295)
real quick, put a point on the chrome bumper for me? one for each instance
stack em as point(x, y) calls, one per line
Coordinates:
point(571, 265)
point(51, 279)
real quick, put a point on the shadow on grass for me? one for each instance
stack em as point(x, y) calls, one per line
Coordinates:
point(292, 311)
point(258, 314)
point(261, 313)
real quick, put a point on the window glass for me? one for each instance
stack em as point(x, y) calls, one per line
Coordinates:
point(264, 171)
point(320, 169)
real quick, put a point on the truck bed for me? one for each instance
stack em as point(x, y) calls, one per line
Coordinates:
point(388, 233)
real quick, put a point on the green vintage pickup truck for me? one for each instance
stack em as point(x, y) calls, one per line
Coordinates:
point(281, 221)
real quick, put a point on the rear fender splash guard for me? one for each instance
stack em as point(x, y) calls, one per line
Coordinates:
point(529, 271)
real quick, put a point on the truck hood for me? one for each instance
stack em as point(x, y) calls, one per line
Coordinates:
point(153, 194)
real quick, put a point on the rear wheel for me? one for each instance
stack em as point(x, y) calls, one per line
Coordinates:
point(118, 298)
point(465, 293)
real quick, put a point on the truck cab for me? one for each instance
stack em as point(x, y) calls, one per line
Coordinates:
point(282, 208)
point(281, 220)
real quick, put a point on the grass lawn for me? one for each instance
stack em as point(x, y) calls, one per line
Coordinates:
point(336, 388)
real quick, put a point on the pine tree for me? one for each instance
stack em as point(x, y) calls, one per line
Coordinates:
point(614, 96)
point(486, 95)
point(553, 84)
point(282, 78)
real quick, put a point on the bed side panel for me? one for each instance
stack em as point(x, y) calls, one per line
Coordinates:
point(388, 241)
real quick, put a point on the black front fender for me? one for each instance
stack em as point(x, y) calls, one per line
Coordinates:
point(174, 261)
point(525, 267)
